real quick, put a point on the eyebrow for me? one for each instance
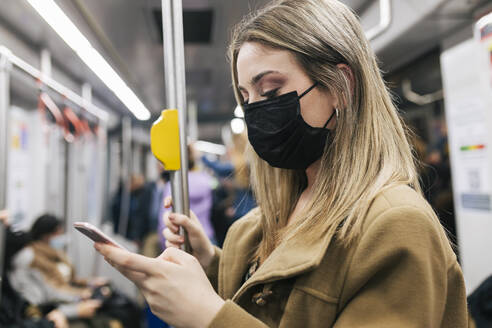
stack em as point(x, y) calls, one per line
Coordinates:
point(257, 78)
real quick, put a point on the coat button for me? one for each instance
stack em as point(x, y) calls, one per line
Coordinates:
point(260, 298)
point(260, 301)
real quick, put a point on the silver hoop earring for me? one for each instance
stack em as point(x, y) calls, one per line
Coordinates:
point(336, 112)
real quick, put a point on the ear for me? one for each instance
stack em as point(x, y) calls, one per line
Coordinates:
point(349, 74)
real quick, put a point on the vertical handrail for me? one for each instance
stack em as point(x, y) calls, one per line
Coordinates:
point(5, 66)
point(181, 98)
point(174, 70)
point(168, 43)
point(126, 170)
point(171, 102)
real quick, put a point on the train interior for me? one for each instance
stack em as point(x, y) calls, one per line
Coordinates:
point(75, 125)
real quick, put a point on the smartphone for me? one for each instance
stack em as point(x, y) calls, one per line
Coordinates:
point(95, 234)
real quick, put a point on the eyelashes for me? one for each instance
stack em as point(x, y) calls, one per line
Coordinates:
point(269, 94)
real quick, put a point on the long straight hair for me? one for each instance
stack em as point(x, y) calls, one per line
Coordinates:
point(370, 151)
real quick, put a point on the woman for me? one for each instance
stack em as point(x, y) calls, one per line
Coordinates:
point(44, 276)
point(342, 236)
point(13, 308)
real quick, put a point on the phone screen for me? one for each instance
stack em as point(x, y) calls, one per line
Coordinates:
point(95, 234)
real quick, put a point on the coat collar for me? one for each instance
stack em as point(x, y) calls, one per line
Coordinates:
point(289, 259)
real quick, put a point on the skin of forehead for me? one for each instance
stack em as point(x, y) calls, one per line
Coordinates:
point(254, 58)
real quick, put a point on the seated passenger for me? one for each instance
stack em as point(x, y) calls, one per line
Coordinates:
point(15, 311)
point(42, 274)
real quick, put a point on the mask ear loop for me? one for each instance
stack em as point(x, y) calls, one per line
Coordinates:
point(309, 89)
point(303, 94)
point(335, 112)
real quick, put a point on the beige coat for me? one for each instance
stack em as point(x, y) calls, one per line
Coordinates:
point(401, 273)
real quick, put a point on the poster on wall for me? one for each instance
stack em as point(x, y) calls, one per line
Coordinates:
point(472, 152)
point(35, 168)
point(18, 169)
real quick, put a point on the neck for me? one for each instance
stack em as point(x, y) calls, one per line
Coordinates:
point(311, 173)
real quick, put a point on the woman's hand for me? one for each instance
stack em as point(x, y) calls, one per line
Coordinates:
point(87, 309)
point(174, 284)
point(86, 293)
point(98, 282)
point(201, 246)
point(58, 319)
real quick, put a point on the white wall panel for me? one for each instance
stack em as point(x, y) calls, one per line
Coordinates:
point(467, 80)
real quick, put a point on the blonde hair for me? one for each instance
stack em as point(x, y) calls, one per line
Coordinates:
point(241, 166)
point(370, 151)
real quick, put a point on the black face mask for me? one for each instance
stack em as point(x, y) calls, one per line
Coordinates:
point(279, 134)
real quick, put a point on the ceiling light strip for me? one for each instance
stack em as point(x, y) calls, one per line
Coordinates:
point(64, 27)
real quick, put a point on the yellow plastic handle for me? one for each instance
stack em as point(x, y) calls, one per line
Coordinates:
point(164, 140)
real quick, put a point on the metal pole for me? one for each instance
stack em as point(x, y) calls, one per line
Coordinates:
point(66, 183)
point(173, 42)
point(193, 121)
point(4, 148)
point(170, 76)
point(46, 63)
point(169, 62)
point(126, 150)
point(181, 98)
point(103, 148)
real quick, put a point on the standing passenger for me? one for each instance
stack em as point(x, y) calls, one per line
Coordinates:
point(342, 236)
point(200, 195)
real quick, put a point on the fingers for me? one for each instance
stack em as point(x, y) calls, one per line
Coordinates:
point(182, 220)
point(168, 202)
point(125, 259)
point(174, 220)
point(86, 293)
point(171, 233)
point(175, 255)
point(193, 216)
point(94, 303)
point(167, 222)
point(136, 277)
point(88, 308)
point(173, 237)
point(169, 244)
point(58, 318)
point(99, 281)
